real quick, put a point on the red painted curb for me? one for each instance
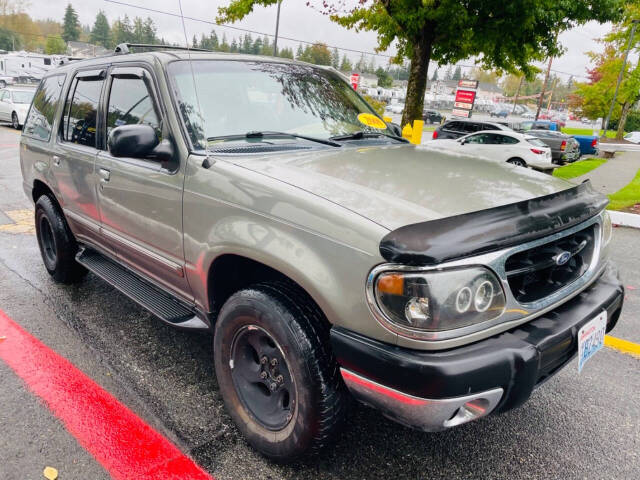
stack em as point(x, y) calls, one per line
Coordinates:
point(126, 446)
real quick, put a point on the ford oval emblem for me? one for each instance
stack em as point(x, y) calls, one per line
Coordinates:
point(562, 258)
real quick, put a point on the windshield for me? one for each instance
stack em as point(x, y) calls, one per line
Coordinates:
point(238, 97)
point(21, 96)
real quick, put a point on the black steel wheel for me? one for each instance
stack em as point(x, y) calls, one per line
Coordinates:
point(57, 244)
point(278, 378)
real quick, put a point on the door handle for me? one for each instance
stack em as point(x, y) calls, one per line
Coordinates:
point(105, 174)
point(56, 160)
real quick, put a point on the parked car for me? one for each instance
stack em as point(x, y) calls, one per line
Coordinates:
point(501, 146)
point(396, 107)
point(633, 137)
point(413, 280)
point(14, 105)
point(459, 128)
point(589, 144)
point(500, 113)
point(538, 125)
point(564, 148)
point(432, 116)
point(528, 115)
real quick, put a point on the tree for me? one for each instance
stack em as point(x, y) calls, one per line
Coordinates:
point(194, 42)
point(457, 75)
point(434, 77)
point(9, 40)
point(503, 35)
point(122, 31)
point(335, 58)
point(486, 76)
point(345, 64)
point(101, 33)
point(285, 53)
point(384, 79)
point(55, 45)
point(149, 31)
point(70, 25)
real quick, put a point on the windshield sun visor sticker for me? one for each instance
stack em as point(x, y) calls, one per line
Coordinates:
point(475, 233)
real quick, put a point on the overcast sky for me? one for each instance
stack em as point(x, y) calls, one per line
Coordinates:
point(296, 21)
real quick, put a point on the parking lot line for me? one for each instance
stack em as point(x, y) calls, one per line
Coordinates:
point(623, 346)
point(124, 444)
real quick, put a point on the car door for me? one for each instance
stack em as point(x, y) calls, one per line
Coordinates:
point(74, 153)
point(140, 200)
point(4, 105)
point(477, 144)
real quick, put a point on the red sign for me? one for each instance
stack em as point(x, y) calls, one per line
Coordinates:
point(468, 84)
point(355, 80)
point(465, 96)
point(467, 106)
point(460, 113)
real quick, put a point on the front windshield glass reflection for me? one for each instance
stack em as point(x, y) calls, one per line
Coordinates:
point(237, 97)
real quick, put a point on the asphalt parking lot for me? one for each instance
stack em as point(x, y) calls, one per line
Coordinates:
point(574, 427)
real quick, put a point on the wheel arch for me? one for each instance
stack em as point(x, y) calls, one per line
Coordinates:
point(41, 188)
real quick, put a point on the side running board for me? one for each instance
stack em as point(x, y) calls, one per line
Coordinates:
point(158, 302)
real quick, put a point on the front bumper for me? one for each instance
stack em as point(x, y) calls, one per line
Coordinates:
point(436, 390)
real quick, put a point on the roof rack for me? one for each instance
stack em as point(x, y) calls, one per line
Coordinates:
point(126, 47)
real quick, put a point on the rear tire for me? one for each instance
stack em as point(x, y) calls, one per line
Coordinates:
point(517, 162)
point(57, 245)
point(277, 375)
point(15, 123)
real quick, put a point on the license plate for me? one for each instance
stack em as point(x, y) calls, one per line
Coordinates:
point(591, 339)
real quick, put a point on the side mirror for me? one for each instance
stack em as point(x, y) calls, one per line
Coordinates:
point(134, 141)
point(463, 141)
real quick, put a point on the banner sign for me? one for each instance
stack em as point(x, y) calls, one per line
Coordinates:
point(355, 80)
point(465, 98)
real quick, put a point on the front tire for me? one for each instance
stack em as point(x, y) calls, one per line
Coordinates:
point(517, 162)
point(57, 245)
point(15, 123)
point(278, 378)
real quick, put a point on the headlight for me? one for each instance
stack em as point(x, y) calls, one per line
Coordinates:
point(607, 228)
point(439, 300)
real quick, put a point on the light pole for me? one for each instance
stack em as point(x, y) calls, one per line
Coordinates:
point(275, 42)
point(624, 64)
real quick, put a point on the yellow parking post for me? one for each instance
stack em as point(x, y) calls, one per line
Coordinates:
point(407, 132)
point(418, 125)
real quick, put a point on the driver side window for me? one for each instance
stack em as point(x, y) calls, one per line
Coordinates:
point(130, 102)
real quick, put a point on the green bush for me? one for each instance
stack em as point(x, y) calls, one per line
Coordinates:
point(375, 104)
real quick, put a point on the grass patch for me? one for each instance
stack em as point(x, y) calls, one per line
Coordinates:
point(578, 168)
point(587, 131)
point(626, 196)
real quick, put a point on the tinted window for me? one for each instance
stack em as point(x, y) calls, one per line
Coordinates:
point(536, 142)
point(505, 140)
point(483, 138)
point(471, 127)
point(43, 109)
point(81, 112)
point(130, 103)
point(455, 126)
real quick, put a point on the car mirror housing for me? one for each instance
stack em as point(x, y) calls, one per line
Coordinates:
point(135, 141)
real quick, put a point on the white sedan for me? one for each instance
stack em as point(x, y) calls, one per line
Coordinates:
point(502, 146)
point(14, 105)
point(633, 137)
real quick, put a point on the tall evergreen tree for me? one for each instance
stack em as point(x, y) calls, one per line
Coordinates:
point(71, 25)
point(101, 33)
point(149, 31)
point(345, 65)
point(335, 58)
point(194, 42)
point(457, 75)
point(299, 52)
point(434, 77)
point(138, 30)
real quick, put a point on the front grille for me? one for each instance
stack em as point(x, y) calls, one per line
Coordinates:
point(538, 272)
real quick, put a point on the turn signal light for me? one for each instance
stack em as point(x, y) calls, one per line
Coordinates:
point(563, 146)
point(435, 135)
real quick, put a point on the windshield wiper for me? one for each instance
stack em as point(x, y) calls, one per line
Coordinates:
point(268, 133)
point(360, 134)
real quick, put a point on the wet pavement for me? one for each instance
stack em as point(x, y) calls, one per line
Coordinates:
point(574, 427)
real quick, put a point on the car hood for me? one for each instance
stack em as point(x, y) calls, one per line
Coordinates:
point(398, 185)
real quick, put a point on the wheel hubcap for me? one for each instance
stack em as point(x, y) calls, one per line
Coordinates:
point(47, 241)
point(262, 379)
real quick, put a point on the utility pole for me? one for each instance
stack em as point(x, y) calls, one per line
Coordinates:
point(553, 87)
point(544, 86)
point(275, 42)
point(624, 64)
point(515, 100)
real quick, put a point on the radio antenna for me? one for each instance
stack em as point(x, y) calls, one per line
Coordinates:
point(206, 163)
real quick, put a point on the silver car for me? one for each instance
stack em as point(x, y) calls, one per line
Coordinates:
point(264, 201)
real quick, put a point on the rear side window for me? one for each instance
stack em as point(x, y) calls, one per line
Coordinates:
point(506, 140)
point(81, 112)
point(43, 109)
point(537, 142)
point(130, 103)
point(470, 127)
point(454, 126)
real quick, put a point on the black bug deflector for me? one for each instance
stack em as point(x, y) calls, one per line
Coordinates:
point(474, 233)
